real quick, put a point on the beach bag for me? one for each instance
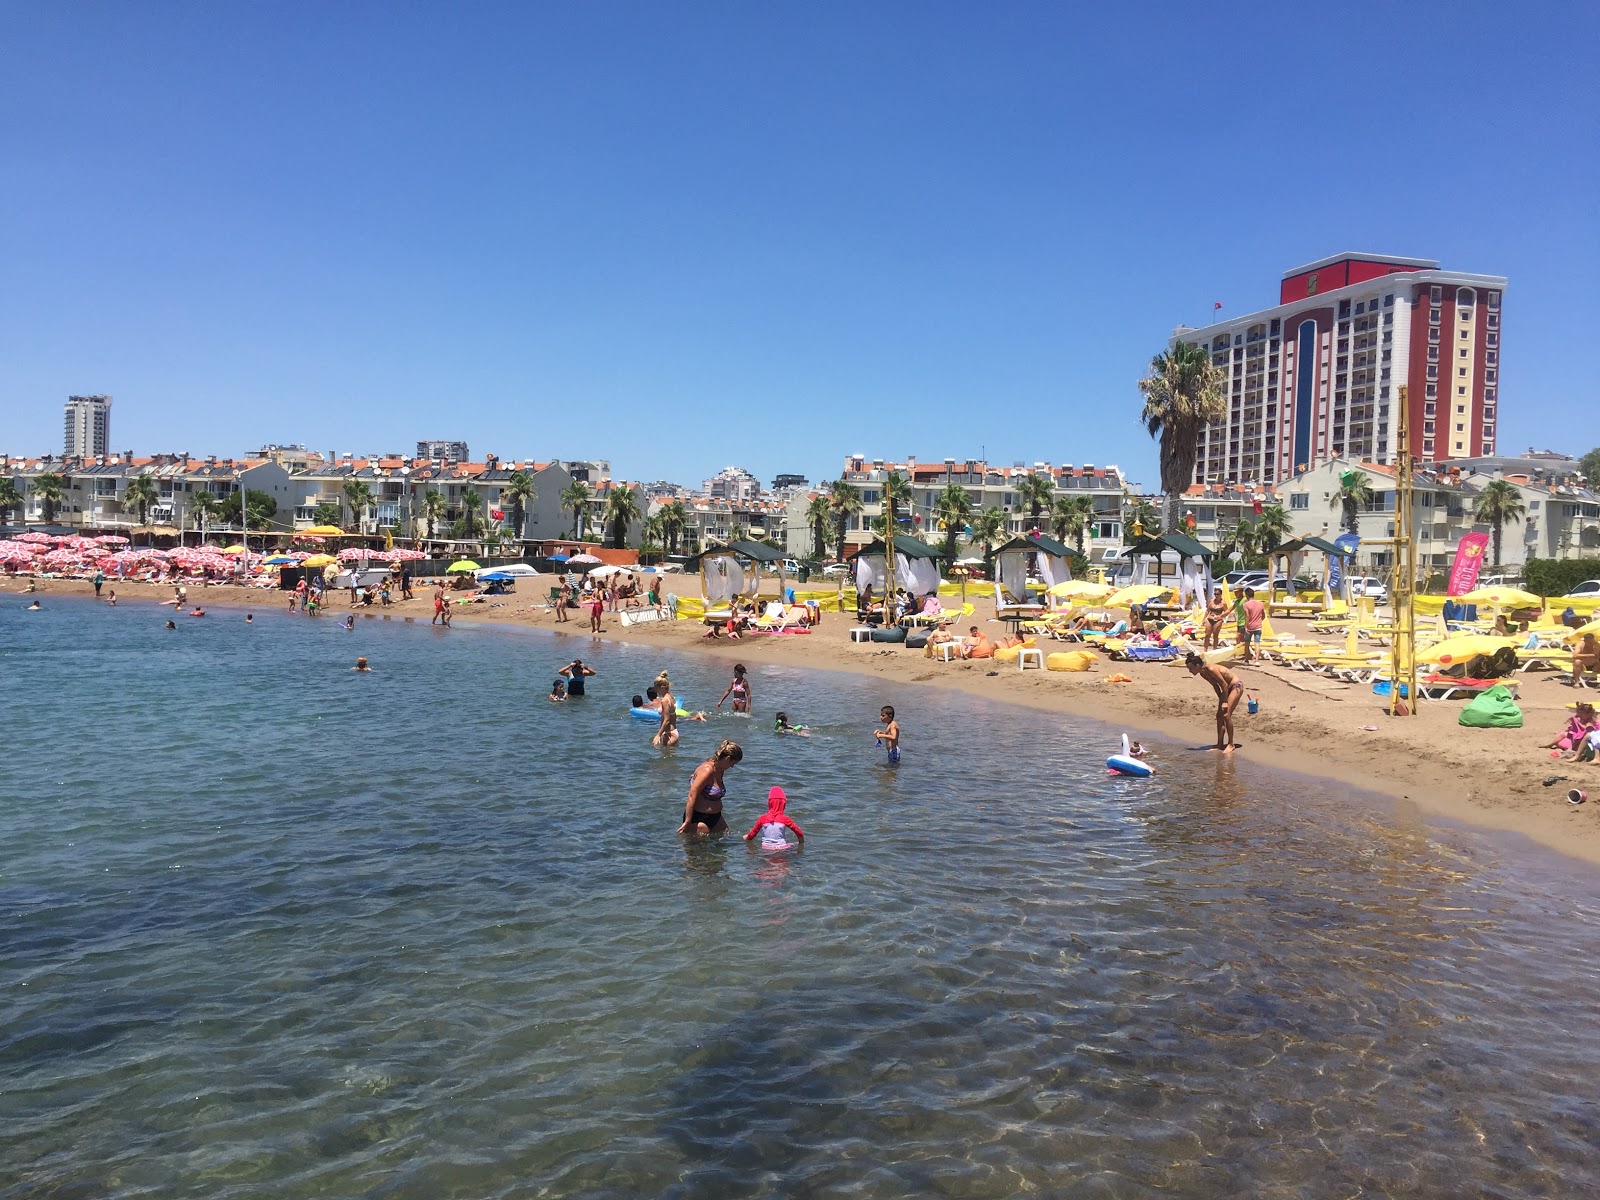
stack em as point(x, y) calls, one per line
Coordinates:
point(1498, 665)
point(1495, 709)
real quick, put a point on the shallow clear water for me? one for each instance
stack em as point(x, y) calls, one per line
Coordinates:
point(269, 927)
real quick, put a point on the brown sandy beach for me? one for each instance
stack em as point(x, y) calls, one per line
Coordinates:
point(1314, 726)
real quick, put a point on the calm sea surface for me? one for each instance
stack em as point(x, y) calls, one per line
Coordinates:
point(272, 928)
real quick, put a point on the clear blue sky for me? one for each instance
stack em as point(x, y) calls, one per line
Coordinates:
point(680, 235)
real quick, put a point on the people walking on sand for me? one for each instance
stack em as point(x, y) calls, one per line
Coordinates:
point(889, 736)
point(702, 811)
point(1229, 689)
point(1255, 615)
point(739, 689)
point(439, 604)
point(1216, 614)
point(405, 585)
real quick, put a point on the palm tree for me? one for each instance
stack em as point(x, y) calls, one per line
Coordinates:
point(1070, 518)
point(327, 514)
point(518, 490)
point(202, 507)
point(1498, 503)
point(1245, 537)
point(1182, 395)
point(953, 509)
point(674, 520)
point(844, 502)
point(988, 529)
point(897, 497)
point(359, 497)
point(818, 514)
point(622, 510)
point(1145, 517)
point(576, 497)
point(1036, 491)
point(10, 498)
point(141, 494)
point(1353, 494)
point(1273, 527)
point(49, 488)
point(434, 506)
point(651, 536)
point(471, 512)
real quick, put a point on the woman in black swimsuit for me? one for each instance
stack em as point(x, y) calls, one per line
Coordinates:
point(702, 812)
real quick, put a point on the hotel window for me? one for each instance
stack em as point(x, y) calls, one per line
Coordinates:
point(1464, 335)
point(1465, 297)
point(1463, 352)
point(1492, 320)
point(1459, 428)
point(1388, 301)
point(1494, 299)
point(1490, 375)
point(1435, 293)
point(1433, 316)
point(1433, 335)
point(1433, 371)
point(1488, 431)
point(1427, 445)
point(1461, 371)
point(1300, 501)
point(1461, 391)
point(1461, 408)
point(1432, 390)
point(1433, 354)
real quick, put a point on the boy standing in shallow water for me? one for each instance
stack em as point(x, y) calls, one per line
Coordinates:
point(889, 735)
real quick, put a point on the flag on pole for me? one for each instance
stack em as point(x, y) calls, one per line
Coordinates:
point(1217, 306)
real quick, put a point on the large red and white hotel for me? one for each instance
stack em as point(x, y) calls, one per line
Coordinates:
point(1319, 376)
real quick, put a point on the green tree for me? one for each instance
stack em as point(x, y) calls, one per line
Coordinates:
point(1037, 491)
point(327, 514)
point(1071, 517)
point(203, 506)
point(1243, 540)
point(953, 510)
point(1496, 504)
point(1183, 393)
point(818, 514)
point(1273, 527)
point(10, 498)
point(576, 497)
point(141, 493)
point(517, 493)
point(988, 531)
point(1589, 465)
point(1146, 517)
point(359, 497)
point(471, 522)
point(260, 508)
point(622, 510)
point(49, 488)
point(674, 520)
point(1353, 494)
point(434, 507)
point(844, 501)
point(651, 535)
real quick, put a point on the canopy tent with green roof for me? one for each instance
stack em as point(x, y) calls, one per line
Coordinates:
point(916, 565)
point(1300, 545)
point(1193, 582)
point(1050, 559)
point(732, 571)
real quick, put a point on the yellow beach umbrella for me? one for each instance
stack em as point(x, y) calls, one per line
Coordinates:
point(1081, 589)
point(1501, 597)
point(1139, 593)
point(1461, 649)
point(1592, 627)
point(319, 560)
point(466, 564)
point(320, 531)
point(233, 549)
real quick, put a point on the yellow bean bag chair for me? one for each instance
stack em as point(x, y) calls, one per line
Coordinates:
point(1071, 660)
point(1006, 654)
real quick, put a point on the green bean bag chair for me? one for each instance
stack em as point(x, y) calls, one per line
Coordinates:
point(894, 633)
point(1495, 709)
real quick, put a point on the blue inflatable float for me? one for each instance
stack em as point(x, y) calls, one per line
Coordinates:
point(1126, 764)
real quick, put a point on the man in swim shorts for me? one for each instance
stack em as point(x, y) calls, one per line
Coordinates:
point(1229, 689)
point(976, 645)
point(1255, 614)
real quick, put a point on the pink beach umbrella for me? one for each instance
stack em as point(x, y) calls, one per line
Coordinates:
point(38, 539)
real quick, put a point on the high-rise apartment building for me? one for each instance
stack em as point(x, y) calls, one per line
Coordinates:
point(450, 452)
point(1319, 376)
point(88, 426)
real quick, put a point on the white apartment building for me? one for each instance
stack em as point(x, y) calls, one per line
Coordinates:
point(88, 427)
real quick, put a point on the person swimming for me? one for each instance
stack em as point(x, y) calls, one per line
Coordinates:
point(361, 665)
point(771, 824)
point(780, 724)
point(349, 623)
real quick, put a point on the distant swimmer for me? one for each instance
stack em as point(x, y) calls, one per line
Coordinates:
point(771, 824)
point(170, 624)
point(249, 618)
point(34, 607)
point(198, 611)
point(889, 736)
point(361, 665)
point(1229, 689)
point(558, 691)
point(349, 623)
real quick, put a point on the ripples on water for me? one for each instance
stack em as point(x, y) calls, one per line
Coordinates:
point(268, 927)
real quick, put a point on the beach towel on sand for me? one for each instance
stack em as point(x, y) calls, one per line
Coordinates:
point(1495, 709)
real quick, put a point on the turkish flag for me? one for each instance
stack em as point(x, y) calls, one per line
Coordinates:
point(497, 514)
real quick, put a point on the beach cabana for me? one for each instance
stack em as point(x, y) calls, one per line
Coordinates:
point(732, 572)
point(1193, 575)
point(1330, 554)
point(916, 566)
point(1050, 561)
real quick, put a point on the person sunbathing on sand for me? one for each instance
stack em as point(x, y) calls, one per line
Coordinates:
point(976, 645)
point(1229, 689)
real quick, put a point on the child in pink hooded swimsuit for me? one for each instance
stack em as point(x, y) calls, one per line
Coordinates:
point(771, 824)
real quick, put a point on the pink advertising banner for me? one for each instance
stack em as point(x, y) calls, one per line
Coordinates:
point(1469, 557)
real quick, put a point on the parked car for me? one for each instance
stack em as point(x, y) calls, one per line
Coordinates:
point(1589, 587)
point(1369, 586)
point(834, 570)
point(1238, 580)
point(1300, 585)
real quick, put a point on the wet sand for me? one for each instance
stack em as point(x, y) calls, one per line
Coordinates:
point(1307, 724)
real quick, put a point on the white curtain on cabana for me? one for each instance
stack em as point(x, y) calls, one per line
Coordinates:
point(1191, 581)
point(919, 576)
point(723, 578)
point(1054, 569)
point(869, 574)
point(1011, 570)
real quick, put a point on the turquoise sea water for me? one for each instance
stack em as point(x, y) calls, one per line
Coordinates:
point(272, 928)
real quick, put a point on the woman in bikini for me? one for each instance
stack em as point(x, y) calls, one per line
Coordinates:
point(1229, 689)
point(1216, 613)
point(739, 689)
point(702, 812)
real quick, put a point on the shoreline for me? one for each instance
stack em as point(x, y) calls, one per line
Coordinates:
point(1310, 726)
